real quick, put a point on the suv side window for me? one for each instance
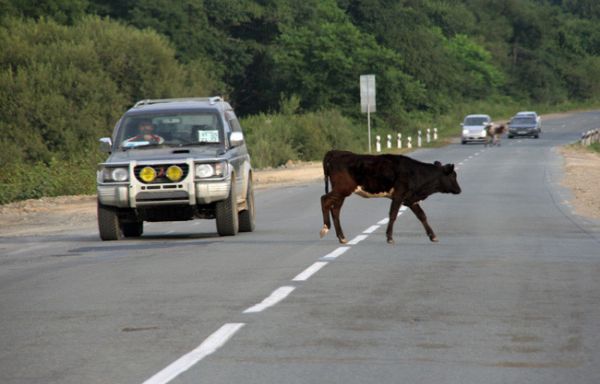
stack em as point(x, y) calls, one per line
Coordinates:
point(234, 123)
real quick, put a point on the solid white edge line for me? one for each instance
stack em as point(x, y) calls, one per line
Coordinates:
point(336, 253)
point(357, 239)
point(371, 229)
point(185, 362)
point(308, 272)
point(275, 297)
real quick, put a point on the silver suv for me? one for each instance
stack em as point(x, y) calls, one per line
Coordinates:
point(174, 160)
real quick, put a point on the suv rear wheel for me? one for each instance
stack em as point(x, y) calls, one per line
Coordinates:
point(227, 214)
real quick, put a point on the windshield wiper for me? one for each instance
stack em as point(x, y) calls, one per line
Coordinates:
point(198, 143)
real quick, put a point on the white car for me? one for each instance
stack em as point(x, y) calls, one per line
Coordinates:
point(473, 128)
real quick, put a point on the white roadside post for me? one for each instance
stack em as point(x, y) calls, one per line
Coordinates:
point(419, 139)
point(378, 143)
point(435, 134)
point(409, 144)
point(367, 100)
point(428, 135)
point(399, 140)
point(389, 141)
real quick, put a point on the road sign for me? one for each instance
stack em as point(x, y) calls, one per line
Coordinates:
point(367, 100)
point(367, 93)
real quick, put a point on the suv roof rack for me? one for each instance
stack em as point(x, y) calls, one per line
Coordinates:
point(212, 100)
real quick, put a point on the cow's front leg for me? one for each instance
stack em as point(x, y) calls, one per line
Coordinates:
point(394, 207)
point(416, 208)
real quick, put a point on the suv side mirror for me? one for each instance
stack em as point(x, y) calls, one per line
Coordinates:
point(236, 139)
point(105, 144)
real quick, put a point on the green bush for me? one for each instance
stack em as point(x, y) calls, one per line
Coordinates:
point(63, 87)
point(56, 178)
point(274, 139)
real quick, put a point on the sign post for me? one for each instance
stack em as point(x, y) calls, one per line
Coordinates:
point(367, 100)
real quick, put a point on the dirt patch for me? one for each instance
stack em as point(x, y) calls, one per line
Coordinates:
point(292, 173)
point(582, 172)
point(68, 213)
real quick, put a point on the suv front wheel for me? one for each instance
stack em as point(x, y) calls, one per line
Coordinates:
point(247, 216)
point(108, 223)
point(227, 214)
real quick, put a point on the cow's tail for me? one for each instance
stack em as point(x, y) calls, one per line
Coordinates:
point(326, 172)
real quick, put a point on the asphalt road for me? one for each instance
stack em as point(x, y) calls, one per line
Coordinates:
point(510, 294)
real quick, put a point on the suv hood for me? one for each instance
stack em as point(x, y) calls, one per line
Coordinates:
point(166, 153)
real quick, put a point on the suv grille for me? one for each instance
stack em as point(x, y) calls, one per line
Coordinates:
point(161, 172)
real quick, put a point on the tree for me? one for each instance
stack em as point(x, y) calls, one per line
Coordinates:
point(63, 87)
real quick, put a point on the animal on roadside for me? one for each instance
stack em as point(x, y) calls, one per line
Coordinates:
point(400, 178)
point(493, 133)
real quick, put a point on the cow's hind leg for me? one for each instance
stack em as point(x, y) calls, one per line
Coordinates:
point(331, 203)
point(335, 213)
point(416, 208)
point(326, 203)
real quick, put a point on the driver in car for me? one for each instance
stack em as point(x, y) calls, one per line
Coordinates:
point(146, 133)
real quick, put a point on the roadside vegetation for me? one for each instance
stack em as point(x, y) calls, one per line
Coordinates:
point(69, 69)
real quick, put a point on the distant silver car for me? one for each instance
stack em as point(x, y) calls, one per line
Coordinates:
point(473, 128)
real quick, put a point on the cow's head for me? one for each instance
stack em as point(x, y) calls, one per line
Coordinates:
point(448, 182)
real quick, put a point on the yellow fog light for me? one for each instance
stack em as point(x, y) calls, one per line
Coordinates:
point(174, 173)
point(148, 174)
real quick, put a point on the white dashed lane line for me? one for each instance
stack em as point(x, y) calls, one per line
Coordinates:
point(334, 255)
point(185, 362)
point(308, 272)
point(371, 229)
point(357, 239)
point(274, 298)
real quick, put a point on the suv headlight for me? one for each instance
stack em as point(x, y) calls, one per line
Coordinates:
point(206, 170)
point(118, 174)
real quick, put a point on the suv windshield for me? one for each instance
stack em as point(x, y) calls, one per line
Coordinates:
point(523, 120)
point(173, 129)
point(475, 121)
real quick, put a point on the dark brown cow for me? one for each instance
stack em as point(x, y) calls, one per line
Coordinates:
point(493, 133)
point(404, 180)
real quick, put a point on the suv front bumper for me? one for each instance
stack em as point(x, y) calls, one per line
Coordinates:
point(202, 193)
point(188, 191)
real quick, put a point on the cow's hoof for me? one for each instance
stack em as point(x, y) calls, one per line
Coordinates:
point(343, 240)
point(390, 241)
point(324, 231)
point(433, 239)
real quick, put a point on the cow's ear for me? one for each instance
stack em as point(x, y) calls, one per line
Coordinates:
point(437, 163)
point(448, 168)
